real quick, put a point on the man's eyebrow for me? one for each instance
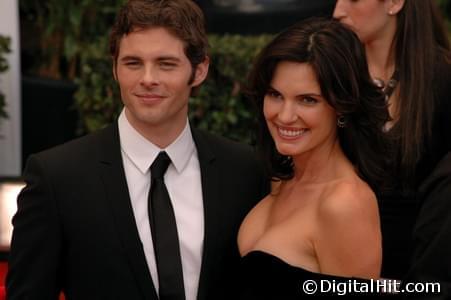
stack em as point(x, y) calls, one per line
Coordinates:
point(171, 58)
point(161, 58)
point(130, 57)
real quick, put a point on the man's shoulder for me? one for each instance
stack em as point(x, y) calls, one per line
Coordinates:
point(221, 145)
point(228, 153)
point(80, 147)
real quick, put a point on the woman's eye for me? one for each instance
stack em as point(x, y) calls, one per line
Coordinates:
point(273, 94)
point(309, 100)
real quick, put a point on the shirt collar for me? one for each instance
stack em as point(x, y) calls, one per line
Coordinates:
point(142, 152)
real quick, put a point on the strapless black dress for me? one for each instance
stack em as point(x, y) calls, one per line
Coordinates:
point(267, 277)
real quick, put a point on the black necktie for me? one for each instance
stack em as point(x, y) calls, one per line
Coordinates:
point(164, 233)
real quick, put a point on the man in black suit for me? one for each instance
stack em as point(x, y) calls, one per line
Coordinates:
point(431, 259)
point(89, 217)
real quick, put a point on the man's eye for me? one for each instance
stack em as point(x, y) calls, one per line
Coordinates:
point(167, 65)
point(132, 63)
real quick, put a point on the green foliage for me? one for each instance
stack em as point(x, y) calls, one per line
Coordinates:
point(221, 106)
point(65, 28)
point(4, 49)
point(445, 7)
point(97, 98)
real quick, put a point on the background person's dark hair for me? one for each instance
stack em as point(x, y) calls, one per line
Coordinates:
point(338, 59)
point(420, 43)
point(183, 18)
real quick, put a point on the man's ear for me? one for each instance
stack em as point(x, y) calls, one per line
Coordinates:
point(395, 6)
point(201, 72)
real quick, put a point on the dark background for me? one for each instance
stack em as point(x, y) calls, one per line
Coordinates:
point(260, 16)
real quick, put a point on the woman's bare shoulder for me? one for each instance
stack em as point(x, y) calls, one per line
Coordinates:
point(348, 239)
point(348, 197)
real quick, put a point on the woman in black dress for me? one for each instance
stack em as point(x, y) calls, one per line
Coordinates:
point(408, 55)
point(321, 120)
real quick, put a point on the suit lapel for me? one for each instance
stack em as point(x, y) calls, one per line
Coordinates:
point(113, 177)
point(116, 189)
point(210, 194)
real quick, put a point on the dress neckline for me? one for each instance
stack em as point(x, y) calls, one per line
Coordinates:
point(276, 259)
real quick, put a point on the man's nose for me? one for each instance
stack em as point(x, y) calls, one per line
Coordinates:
point(150, 76)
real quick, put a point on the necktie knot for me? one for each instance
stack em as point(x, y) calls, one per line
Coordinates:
point(160, 165)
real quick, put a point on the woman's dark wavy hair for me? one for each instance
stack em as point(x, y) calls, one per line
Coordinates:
point(338, 59)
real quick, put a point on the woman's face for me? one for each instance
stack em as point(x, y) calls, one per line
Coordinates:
point(299, 119)
point(369, 19)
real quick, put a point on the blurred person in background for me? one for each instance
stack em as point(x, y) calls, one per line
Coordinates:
point(408, 55)
point(431, 259)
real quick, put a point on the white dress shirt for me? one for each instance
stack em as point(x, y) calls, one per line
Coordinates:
point(183, 182)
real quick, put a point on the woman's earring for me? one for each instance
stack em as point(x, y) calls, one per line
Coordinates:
point(341, 121)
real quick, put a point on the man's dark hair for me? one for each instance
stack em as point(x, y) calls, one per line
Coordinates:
point(183, 18)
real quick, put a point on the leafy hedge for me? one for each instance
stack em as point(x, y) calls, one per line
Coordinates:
point(57, 32)
point(445, 7)
point(4, 49)
point(221, 107)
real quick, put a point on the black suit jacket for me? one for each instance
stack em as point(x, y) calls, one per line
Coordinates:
point(75, 231)
point(431, 260)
